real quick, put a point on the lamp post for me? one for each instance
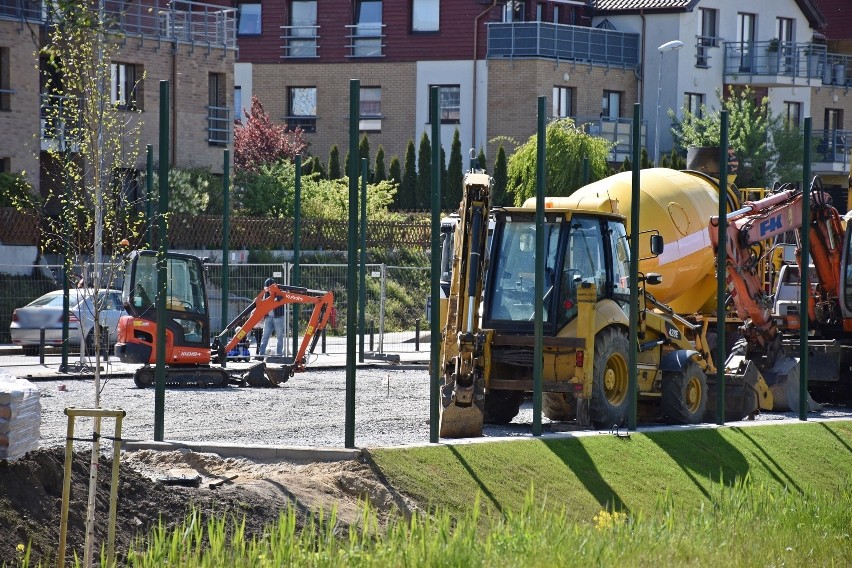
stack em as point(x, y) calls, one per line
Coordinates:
point(668, 46)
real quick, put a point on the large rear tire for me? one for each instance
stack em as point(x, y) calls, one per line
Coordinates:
point(684, 397)
point(502, 405)
point(610, 379)
point(559, 406)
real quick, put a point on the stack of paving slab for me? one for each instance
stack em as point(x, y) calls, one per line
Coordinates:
point(20, 416)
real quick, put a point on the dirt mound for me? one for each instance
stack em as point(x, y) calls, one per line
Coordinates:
point(31, 494)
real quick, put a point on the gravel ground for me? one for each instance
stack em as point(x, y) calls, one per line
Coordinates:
point(391, 408)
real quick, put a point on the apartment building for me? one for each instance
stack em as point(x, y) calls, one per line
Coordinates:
point(191, 44)
point(491, 59)
point(781, 49)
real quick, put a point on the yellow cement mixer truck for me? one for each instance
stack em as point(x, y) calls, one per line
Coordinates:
point(683, 206)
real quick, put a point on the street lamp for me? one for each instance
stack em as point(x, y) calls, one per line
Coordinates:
point(668, 46)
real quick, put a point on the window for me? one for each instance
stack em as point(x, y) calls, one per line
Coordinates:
point(5, 165)
point(248, 19)
point(834, 119)
point(123, 86)
point(745, 38)
point(693, 102)
point(368, 29)
point(611, 104)
point(5, 80)
point(449, 99)
point(514, 11)
point(371, 109)
point(563, 102)
point(218, 121)
point(238, 103)
point(303, 109)
point(303, 29)
point(707, 35)
point(425, 15)
point(785, 29)
point(792, 113)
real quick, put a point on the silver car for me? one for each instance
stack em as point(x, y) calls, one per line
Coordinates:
point(46, 312)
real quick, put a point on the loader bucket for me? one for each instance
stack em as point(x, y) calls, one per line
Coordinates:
point(783, 381)
point(746, 392)
point(279, 369)
point(461, 412)
point(257, 376)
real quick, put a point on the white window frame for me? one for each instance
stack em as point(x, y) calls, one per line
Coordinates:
point(256, 21)
point(425, 15)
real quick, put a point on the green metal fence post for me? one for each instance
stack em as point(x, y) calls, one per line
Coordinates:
point(538, 337)
point(162, 249)
point(435, 284)
point(805, 280)
point(633, 355)
point(226, 231)
point(721, 270)
point(352, 260)
point(362, 274)
point(295, 275)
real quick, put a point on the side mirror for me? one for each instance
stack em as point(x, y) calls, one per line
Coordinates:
point(657, 245)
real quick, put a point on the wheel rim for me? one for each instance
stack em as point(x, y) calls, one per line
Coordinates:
point(693, 394)
point(615, 379)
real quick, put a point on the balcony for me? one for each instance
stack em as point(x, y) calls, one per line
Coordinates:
point(832, 151)
point(365, 40)
point(524, 40)
point(779, 64)
point(195, 23)
point(218, 125)
point(60, 123)
point(299, 41)
point(618, 131)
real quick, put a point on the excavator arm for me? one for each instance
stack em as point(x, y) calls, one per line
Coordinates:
point(271, 297)
point(464, 358)
point(754, 224)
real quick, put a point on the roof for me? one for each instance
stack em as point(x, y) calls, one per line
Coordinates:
point(808, 7)
point(838, 17)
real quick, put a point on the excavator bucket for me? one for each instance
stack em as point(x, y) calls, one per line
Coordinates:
point(783, 381)
point(461, 411)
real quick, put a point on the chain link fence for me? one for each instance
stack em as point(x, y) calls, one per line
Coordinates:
point(394, 312)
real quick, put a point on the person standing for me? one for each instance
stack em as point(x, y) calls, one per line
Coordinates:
point(273, 320)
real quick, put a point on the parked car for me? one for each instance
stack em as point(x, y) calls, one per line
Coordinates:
point(46, 312)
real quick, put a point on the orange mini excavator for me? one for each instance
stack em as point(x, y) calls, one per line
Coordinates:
point(188, 348)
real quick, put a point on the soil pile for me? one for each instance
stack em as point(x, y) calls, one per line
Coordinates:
point(31, 495)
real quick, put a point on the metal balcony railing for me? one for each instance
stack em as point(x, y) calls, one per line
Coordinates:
point(299, 41)
point(832, 147)
point(785, 59)
point(21, 10)
point(511, 40)
point(365, 40)
point(618, 131)
point(60, 123)
point(219, 125)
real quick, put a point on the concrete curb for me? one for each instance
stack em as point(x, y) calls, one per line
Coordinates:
point(288, 453)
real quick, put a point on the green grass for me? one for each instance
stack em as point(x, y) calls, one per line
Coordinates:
point(591, 473)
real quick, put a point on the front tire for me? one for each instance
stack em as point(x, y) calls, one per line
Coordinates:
point(684, 397)
point(610, 379)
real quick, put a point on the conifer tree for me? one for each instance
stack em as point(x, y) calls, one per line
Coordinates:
point(334, 163)
point(379, 173)
point(424, 174)
point(455, 175)
point(408, 184)
point(364, 153)
point(483, 165)
point(501, 178)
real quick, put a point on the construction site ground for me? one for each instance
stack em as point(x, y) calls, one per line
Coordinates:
point(251, 451)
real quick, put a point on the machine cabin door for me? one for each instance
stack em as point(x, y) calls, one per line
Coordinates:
point(187, 314)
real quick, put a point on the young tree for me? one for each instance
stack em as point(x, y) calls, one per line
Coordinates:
point(424, 174)
point(379, 173)
point(334, 163)
point(408, 184)
point(258, 141)
point(480, 158)
point(394, 170)
point(501, 178)
point(566, 146)
point(455, 175)
point(364, 154)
